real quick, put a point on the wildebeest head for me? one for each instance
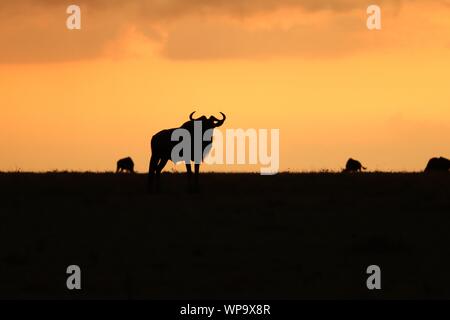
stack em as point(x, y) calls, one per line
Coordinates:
point(208, 123)
point(206, 127)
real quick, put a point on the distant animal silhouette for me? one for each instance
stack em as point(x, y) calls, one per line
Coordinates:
point(353, 165)
point(125, 165)
point(162, 145)
point(438, 164)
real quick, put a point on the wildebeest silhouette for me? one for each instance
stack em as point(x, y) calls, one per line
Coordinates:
point(438, 164)
point(353, 165)
point(162, 145)
point(125, 165)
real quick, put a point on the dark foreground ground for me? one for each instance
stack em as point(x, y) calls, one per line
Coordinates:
point(243, 236)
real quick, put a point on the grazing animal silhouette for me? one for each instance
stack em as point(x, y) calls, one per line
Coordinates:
point(438, 165)
point(162, 145)
point(125, 165)
point(353, 165)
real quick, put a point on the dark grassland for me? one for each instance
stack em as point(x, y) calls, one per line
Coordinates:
point(288, 236)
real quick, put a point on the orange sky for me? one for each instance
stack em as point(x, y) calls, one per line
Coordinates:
point(79, 100)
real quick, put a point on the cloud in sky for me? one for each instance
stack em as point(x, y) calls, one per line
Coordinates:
point(33, 31)
point(198, 40)
point(174, 8)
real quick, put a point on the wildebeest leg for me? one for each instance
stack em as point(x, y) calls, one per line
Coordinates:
point(151, 171)
point(197, 173)
point(159, 168)
point(189, 174)
point(188, 169)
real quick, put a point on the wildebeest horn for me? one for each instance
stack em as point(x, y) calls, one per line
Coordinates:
point(215, 119)
point(191, 118)
point(220, 122)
